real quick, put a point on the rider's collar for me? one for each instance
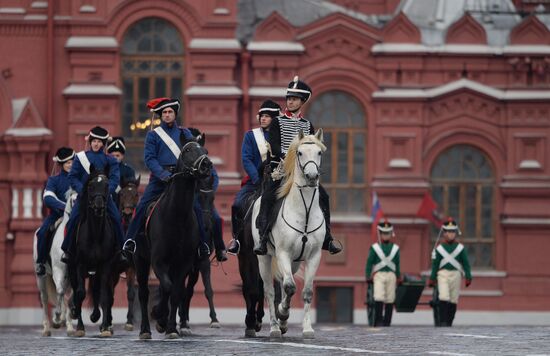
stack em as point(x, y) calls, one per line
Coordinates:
point(165, 126)
point(295, 116)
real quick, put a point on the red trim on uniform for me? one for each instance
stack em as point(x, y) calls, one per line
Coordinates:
point(244, 180)
point(288, 114)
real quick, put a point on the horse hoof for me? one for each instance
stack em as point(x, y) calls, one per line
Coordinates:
point(80, 333)
point(105, 333)
point(94, 317)
point(145, 336)
point(250, 333)
point(284, 329)
point(159, 328)
point(129, 327)
point(172, 336)
point(258, 327)
point(185, 332)
point(215, 325)
point(275, 333)
point(46, 333)
point(308, 334)
point(70, 333)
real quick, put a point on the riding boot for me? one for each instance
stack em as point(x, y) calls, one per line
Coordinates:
point(388, 310)
point(324, 203)
point(221, 255)
point(452, 312)
point(378, 306)
point(443, 313)
point(40, 269)
point(66, 257)
point(262, 220)
point(234, 245)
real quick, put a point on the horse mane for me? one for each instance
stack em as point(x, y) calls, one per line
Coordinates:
point(289, 163)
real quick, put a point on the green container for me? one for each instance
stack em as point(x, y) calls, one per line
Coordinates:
point(408, 294)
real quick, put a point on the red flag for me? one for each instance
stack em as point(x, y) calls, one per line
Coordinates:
point(376, 215)
point(429, 211)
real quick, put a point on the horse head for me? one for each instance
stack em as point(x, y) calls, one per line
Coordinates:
point(97, 191)
point(305, 155)
point(193, 160)
point(128, 195)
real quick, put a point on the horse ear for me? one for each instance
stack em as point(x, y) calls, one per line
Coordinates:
point(300, 134)
point(201, 139)
point(183, 139)
point(319, 135)
point(138, 179)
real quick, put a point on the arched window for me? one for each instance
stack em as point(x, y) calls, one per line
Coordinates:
point(463, 184)
point(152, 66)
point(342, 119)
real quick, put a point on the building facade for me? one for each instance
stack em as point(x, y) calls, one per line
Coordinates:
point(452, 99)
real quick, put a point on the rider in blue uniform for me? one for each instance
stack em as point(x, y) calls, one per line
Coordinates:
point(55, 200)
point(117, 149)
point(221, 254)
point(78, 177)
point(254, 151)
point(161, 160)
point(282, 131)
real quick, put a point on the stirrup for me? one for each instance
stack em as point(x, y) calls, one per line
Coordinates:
point(333, 249)
point(40, 269)
point(235, 247)
point(203, 250)
point(129, 246)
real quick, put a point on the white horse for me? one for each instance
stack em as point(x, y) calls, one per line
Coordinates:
point(54, 285)
point(298, 233)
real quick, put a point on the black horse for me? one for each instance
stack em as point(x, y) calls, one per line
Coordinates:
point(127, 201)
point(96, 254)
point(252, 287)
point(202, 265)
point(172, 239)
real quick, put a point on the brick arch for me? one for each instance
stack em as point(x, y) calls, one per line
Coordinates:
point(466, 31)
point(530, 31)
point(346, 81)
point(179, 14)
point(6, 111)
point(401, 30)
point(480, 140)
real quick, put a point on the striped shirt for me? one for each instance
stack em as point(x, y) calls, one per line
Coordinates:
point(283, 130)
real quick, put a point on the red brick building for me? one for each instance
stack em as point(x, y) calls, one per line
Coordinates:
point(451, 98)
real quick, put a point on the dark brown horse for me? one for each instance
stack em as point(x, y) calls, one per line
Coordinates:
point(128, 198)
point(172, 239)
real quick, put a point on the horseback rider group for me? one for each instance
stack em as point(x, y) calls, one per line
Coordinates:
point(263, 151)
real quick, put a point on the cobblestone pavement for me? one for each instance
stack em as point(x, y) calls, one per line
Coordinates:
point(329, 340)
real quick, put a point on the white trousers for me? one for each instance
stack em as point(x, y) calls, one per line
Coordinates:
point(448, 285)
point(384, 287)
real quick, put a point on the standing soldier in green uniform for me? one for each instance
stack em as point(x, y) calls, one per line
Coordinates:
point(449, 264)
point(383, 263)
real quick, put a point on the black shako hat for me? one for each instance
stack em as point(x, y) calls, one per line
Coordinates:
point(117, 145)
point(269, 107)
point(99, 133)
point(159, 104)
point(63, 155)
point(298, 89)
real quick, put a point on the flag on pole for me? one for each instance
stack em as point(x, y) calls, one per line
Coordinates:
point(376, 214)
point(428, 210)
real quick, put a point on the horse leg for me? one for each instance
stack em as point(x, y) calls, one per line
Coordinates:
point(307, 293)
point(43, 288)
point(209, 292)
point(66, 314)
point(279, 296)
point(260, 304)
point(78, 297)
point(142, 273)
point(264, 262)
point(288, 284)
point(106, 301)
point(131, 296)
point(96, 285)
point(160, 311)
point(185, 304)
point(175, 299)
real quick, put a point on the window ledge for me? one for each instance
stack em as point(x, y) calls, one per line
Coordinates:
point(477, 273)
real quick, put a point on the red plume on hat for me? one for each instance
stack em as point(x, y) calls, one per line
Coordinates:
point(151, 104)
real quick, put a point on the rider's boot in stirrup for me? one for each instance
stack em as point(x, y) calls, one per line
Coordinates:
point(40, 269)
point(329, 245)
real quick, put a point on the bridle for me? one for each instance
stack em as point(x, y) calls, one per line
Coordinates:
point(195, 167)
